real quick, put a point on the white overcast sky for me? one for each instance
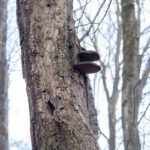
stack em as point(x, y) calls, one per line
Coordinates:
point(19, 129)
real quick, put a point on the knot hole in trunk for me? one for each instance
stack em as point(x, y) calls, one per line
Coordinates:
point(51, 107)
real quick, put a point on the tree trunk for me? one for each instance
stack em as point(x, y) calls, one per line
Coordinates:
point(57, 93)
point(112, 123)
point(130, 103)
point(3, 78)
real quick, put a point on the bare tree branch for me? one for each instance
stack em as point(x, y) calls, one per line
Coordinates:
point(87, 33)
point(143, 114)
point(145, 74)
point(146, 47)
point(103, 16)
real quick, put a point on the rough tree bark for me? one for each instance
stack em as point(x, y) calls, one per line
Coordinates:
point(131, 67)
point(3, 78)
point(57, 93)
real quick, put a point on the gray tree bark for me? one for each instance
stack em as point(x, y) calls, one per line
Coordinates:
point(3, 78)
point(131, 67)
point(57, 94)
point(112, 123)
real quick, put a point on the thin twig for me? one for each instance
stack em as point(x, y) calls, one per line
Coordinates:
point(87, 33)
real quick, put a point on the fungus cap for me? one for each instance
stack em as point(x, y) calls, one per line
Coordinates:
point(87, 67)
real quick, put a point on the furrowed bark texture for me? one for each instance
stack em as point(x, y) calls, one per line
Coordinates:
point(3, 78)
point(57, 93)
point(130, 102)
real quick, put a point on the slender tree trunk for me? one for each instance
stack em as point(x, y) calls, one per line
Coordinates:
point(113, 98)
point(57, 93)
point(112, 123)
point(130, 103)
point(3, 78)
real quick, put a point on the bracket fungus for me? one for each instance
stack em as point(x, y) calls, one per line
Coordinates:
point(85, 63)
point(87, 67)
point(88, 56)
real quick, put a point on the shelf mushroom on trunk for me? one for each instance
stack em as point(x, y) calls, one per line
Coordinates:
point(85, 63)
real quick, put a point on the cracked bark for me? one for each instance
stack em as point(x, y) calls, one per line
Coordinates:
point(57, 93)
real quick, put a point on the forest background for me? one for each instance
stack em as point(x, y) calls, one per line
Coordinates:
point(102, 37)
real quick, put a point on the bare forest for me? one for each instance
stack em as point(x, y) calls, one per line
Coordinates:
point(74, 75)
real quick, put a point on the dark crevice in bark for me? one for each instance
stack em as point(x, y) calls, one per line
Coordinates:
point(59, 127)
point(51, 107)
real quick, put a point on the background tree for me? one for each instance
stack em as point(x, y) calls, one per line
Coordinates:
point(132, 83)
point(104, 34)
point(58, 98)
point(108, 58)
point(3, 78)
